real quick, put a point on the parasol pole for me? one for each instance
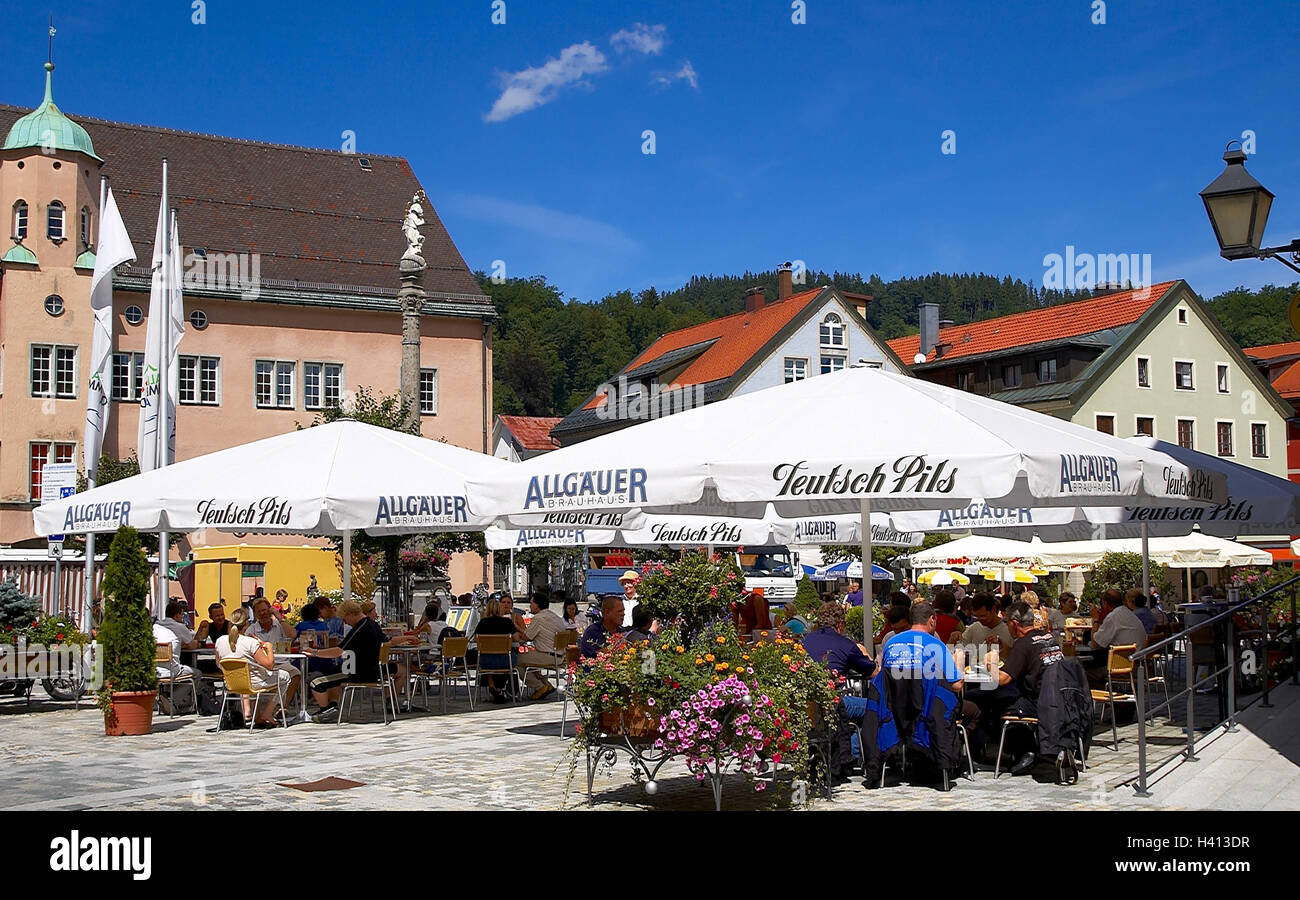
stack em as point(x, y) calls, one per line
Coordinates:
point(1146, 564)
point(868, 595)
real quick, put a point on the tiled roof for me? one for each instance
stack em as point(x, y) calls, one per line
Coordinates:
point(1273, 351)
point(532, 432)
point(1038, 326)
point(1288, 383)
point(314, 216)
point(733, 340)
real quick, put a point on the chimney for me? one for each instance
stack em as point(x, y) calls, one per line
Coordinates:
point(754, 299)
point(784, 280)
point(929, 315)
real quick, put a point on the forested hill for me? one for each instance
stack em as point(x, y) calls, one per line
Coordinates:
point(549, 353)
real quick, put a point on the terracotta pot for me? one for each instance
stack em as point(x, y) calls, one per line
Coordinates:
point(132, 713)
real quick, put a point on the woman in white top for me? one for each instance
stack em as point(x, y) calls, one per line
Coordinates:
point(261, 663)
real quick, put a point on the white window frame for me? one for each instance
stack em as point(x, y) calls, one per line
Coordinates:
point(1038, 371)
point(83, 225)
point(788, 363)
point(1232, 425)
point(1138, 373)
point(322, 375)
point(1140, 416)
point(21, 231)
point(197, 397)
point(63, 221)
point(1192, 363)
point(1227, 377)
point(53, 375)
point(828, 342)
point(134, 375)
point(1181, 316)
point(828, 361)
point(277, 366)
point(1104, 415)
point(419, 392)
point(1180, 419)
point(1267, 453)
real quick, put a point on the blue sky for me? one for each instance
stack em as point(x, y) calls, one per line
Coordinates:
point(774, 140)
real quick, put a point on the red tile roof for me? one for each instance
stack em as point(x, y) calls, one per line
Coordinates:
point(532, 432)
point(736, 338)
point(1273, 351)
point(1038, 326)
point(1288, 383)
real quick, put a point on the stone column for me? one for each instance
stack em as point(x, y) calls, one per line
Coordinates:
point(411, 298)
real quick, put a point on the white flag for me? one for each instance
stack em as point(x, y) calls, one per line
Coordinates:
point(113, 249)
point(166, 313)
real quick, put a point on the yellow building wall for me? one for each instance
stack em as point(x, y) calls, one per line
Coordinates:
point(287, 567)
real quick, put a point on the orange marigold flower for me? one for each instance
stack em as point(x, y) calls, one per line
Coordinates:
point(721, 639)
point(709, 657)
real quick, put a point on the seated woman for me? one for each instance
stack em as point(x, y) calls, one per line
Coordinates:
point(498, 619)
point(574, 619)
point(261, 666)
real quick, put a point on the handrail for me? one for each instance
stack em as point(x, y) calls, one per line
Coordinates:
point(1224, 673)
point(1227, 613)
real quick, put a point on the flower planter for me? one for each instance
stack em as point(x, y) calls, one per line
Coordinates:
point(636, 720)
point(132, 713)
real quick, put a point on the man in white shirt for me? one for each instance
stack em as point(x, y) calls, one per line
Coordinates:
point(628, 581)
point(269, 625)
point(1119, 628)
point(172, 630)
point(541, 630)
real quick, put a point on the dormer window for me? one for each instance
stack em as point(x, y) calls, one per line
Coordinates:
point(85, 226)
point(833, 332)
point(54, 222)
point(20, 219)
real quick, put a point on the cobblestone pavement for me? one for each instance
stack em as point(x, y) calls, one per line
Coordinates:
point(513, 757)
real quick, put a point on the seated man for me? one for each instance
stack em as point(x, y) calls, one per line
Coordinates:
point(1034, 650)
point(171, 630)
point(644, 626)
point(600, 633)
point(541, 630)
point(269, 624)
point(217, 623)
point(1136, 601)
point(854, 597)
point(1119, 627)
point(988, 626)
point(828, 644)
point(360, 654)
point(897, 620)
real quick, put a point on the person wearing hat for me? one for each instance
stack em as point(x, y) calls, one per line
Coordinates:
point(628, 580)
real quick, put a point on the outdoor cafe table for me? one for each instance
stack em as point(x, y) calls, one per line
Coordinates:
point(409, 651)
point(301, 658)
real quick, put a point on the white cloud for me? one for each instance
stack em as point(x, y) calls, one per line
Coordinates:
point(647, 39)
point(685, 73)
point(540, 220)
point(531, 88)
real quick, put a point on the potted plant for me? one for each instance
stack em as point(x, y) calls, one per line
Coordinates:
point(130, 680)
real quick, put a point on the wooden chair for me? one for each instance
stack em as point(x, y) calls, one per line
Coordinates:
point(383, 685)
point(496, 645)
point(1119, 667)
point(239, 684)
point(162, 658)
point(559, 650)
point(454, 667)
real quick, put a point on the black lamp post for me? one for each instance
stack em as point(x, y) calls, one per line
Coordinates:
point(1238, 207)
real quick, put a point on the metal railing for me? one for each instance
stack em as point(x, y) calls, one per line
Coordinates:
point(1219, 622)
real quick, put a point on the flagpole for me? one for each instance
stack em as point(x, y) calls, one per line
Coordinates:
point(162, 428)
point(92, 465)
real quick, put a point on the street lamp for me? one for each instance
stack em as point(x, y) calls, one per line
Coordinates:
point(1238, 207)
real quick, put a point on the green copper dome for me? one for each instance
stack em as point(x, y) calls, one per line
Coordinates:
point(46, 126)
